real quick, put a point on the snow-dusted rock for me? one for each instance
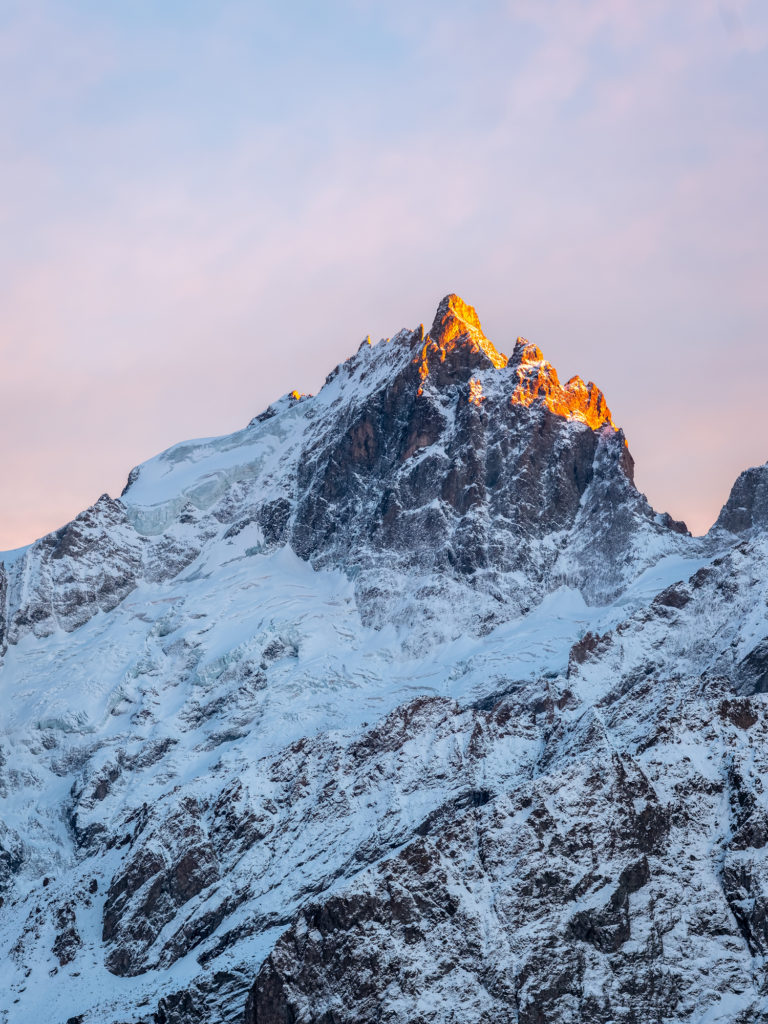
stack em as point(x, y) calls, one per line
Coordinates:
point(400, 704)
point(747, 505)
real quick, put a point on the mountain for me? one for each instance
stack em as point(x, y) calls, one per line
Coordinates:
point(400, 704)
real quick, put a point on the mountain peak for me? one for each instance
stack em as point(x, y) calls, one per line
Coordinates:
point(526, 352)
point(454, 316)
point(537, 380)
point(457, 323)
point(747, 504)
point(456, 344)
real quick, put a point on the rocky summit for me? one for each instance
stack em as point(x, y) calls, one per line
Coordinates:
point(400, 705)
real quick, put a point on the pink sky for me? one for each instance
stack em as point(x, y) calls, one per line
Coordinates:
point(202, 211)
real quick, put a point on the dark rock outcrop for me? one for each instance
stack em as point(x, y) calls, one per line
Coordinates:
point(464, 464)
point(167, 868)
point(747, 504)
point(752, 670)
point(89, 565)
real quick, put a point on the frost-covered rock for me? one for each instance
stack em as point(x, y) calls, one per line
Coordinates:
point(61, 581)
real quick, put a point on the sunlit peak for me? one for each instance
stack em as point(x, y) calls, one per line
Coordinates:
point(526, 352)
point(456, 335)
point(456, 327)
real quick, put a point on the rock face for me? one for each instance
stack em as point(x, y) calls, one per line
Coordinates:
point(747, 505)
point(578, 894)
point(399, 705)
point(481, 471)
point(90, 565)
point(621, 869)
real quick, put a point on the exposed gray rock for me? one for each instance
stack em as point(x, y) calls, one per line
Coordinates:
point(560, 900)
point(90, 565)
point(747, 505)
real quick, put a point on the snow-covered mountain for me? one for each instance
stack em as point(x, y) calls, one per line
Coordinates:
point(401, 704)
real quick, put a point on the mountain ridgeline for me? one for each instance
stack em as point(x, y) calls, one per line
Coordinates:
point(400, 704)
point(427, 456)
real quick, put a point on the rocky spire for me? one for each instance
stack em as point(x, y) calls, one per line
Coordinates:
point(456, 345)
point(537, 380)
